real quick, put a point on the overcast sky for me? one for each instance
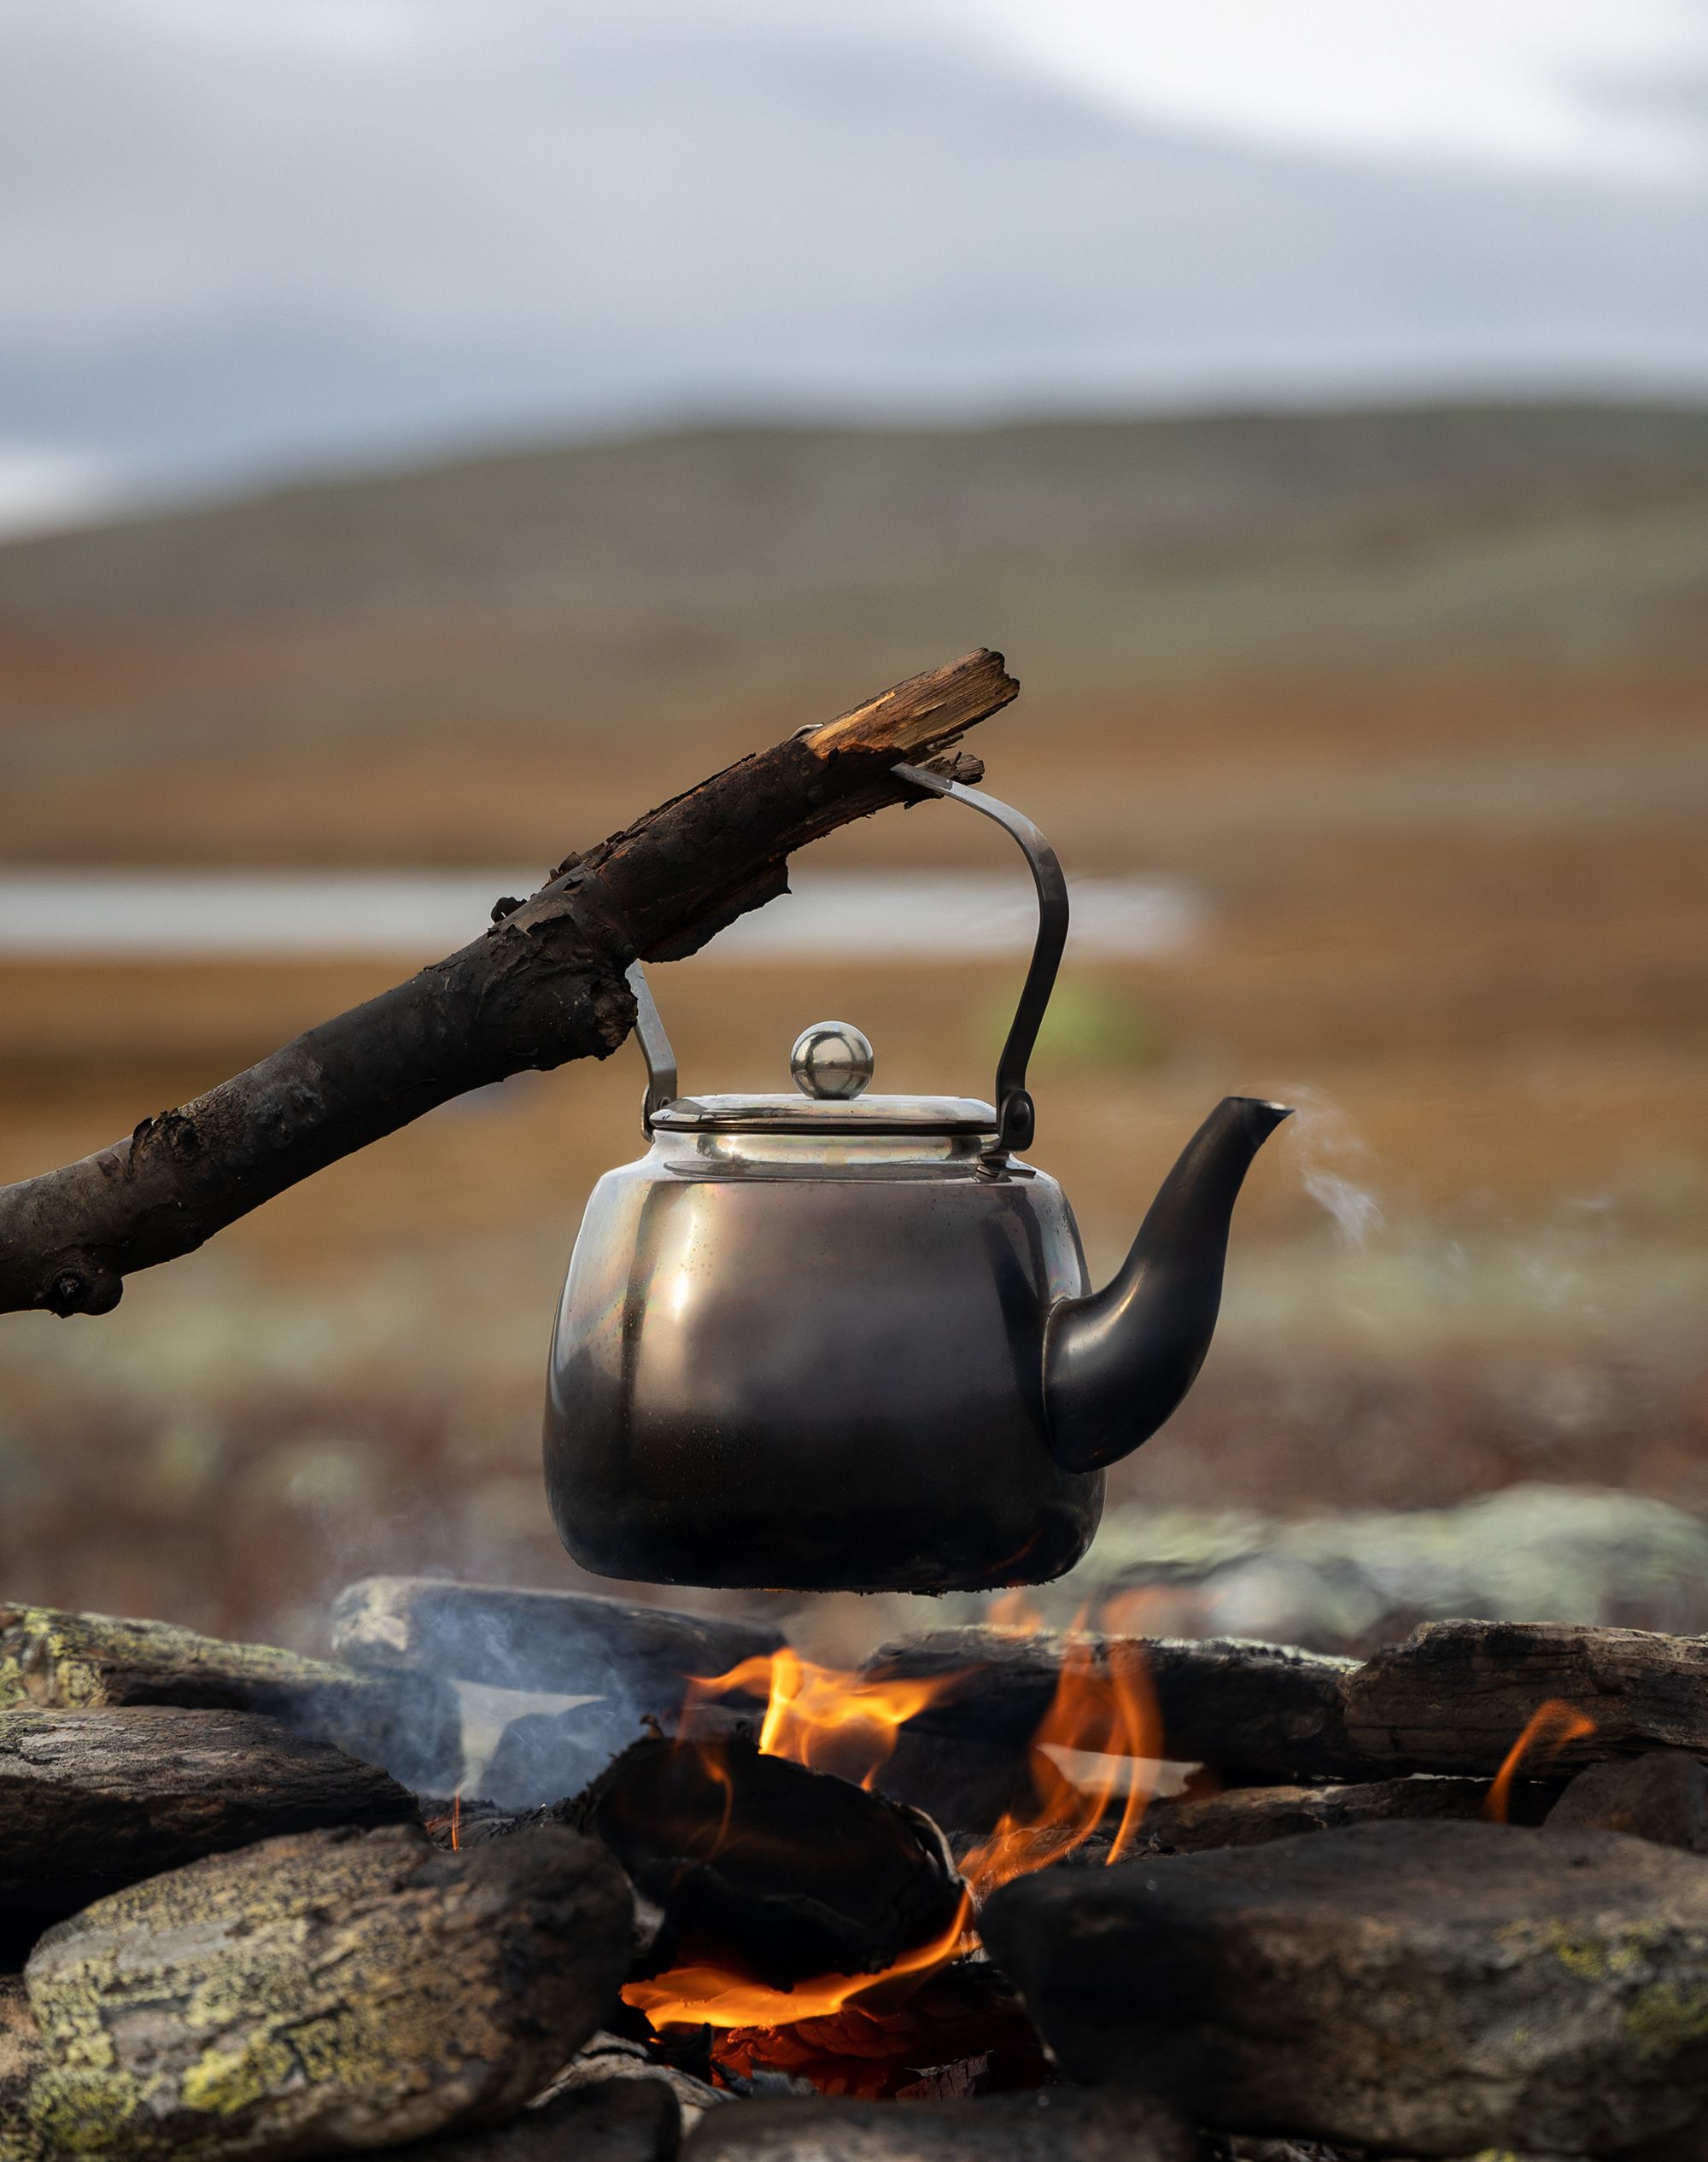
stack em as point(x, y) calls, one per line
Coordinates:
point(242, 236)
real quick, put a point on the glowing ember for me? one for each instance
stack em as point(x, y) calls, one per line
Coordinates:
point(1548, 1728)
point(712, 1995)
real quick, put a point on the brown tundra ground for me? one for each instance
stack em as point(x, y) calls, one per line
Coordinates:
point(1412, 703)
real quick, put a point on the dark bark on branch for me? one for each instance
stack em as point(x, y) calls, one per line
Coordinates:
point(543, 986)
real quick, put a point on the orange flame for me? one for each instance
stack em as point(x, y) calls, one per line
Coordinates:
point(710, 1995)
point(822, 1716)
point(457, 1821)
point(834, 1721)
point(1104, 1709)
point(1550, 1726)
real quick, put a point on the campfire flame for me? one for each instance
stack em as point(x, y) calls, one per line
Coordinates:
point(823, 1717)
point(847, 1722)
point(1549, 1727)
point(1104, 1708)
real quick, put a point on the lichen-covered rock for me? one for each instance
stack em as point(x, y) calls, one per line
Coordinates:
point(93, 1800)
point(411, 1724)
point(20, 2058)
point(334, 1990)
point(1419, 1988)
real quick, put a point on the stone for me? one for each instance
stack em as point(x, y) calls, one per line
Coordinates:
point(604, 2120)
point(609, 2058)
point(1420, 1988)
point(92, 1800)
point(55, 1659)
point(1055, 2125)
point(1456, 1695)
point(1662, 1795)
point(1251, 1816)
point(326, 1992)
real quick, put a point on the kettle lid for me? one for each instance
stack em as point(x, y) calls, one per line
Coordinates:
point(832, 1063)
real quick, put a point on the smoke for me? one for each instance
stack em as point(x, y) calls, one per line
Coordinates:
point(1333, 1161)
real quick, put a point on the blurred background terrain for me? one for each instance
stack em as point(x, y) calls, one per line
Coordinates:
point(1392, 668)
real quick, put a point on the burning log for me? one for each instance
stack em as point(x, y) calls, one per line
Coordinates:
point(327, 1992)
point(1419, 1988)
point(568, 1643)
point(1253, 1816)
point(92, 1800)
point(607, 2120)
point(545, 985)
point(777, 1873)
point(1662, 1795)
point(1057, 2126)
point(1457, 1695)
point(1254, 1711)
point(410, 1724)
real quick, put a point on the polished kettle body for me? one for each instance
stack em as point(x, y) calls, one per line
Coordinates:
point(835, 1341)
point(792, 1362)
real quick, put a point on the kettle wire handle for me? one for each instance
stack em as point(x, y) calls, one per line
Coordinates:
point(656, 1048)
point(1017, 1115)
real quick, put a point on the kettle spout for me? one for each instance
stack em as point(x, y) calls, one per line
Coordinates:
point(1118, 1362)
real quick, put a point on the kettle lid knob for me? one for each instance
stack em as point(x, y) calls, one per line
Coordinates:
point(832, 1059)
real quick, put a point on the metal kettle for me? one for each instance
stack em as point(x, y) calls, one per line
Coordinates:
point(836, 1341)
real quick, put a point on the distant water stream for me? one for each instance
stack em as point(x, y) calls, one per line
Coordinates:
point(421, 915)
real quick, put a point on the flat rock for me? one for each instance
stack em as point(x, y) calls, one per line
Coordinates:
point(1456, 1695)
point(1258, 1710)
point(1662, 1795)
point(57, 1660)
point(326, 1992)
point(607, 2120)
point(570, 1644)
point(1420, 1988)
point(1057, 2124)
point(1251, 1816)
point(92, 1800)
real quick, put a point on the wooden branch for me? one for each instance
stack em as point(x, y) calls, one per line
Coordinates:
point(543, 986)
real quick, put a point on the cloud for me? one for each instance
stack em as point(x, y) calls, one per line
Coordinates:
point(298, 229)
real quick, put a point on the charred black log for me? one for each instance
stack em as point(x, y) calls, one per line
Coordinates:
point(335, 1991)
point(777, 1872)
point(1414, 1988)
point(572, 1644)
point(92, 1800)
point(1057, 2126)
point(1456, 1695)
point(410, 1724)
point(545, 985)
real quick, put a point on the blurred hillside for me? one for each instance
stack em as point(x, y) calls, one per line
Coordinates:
point(1412, 702)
